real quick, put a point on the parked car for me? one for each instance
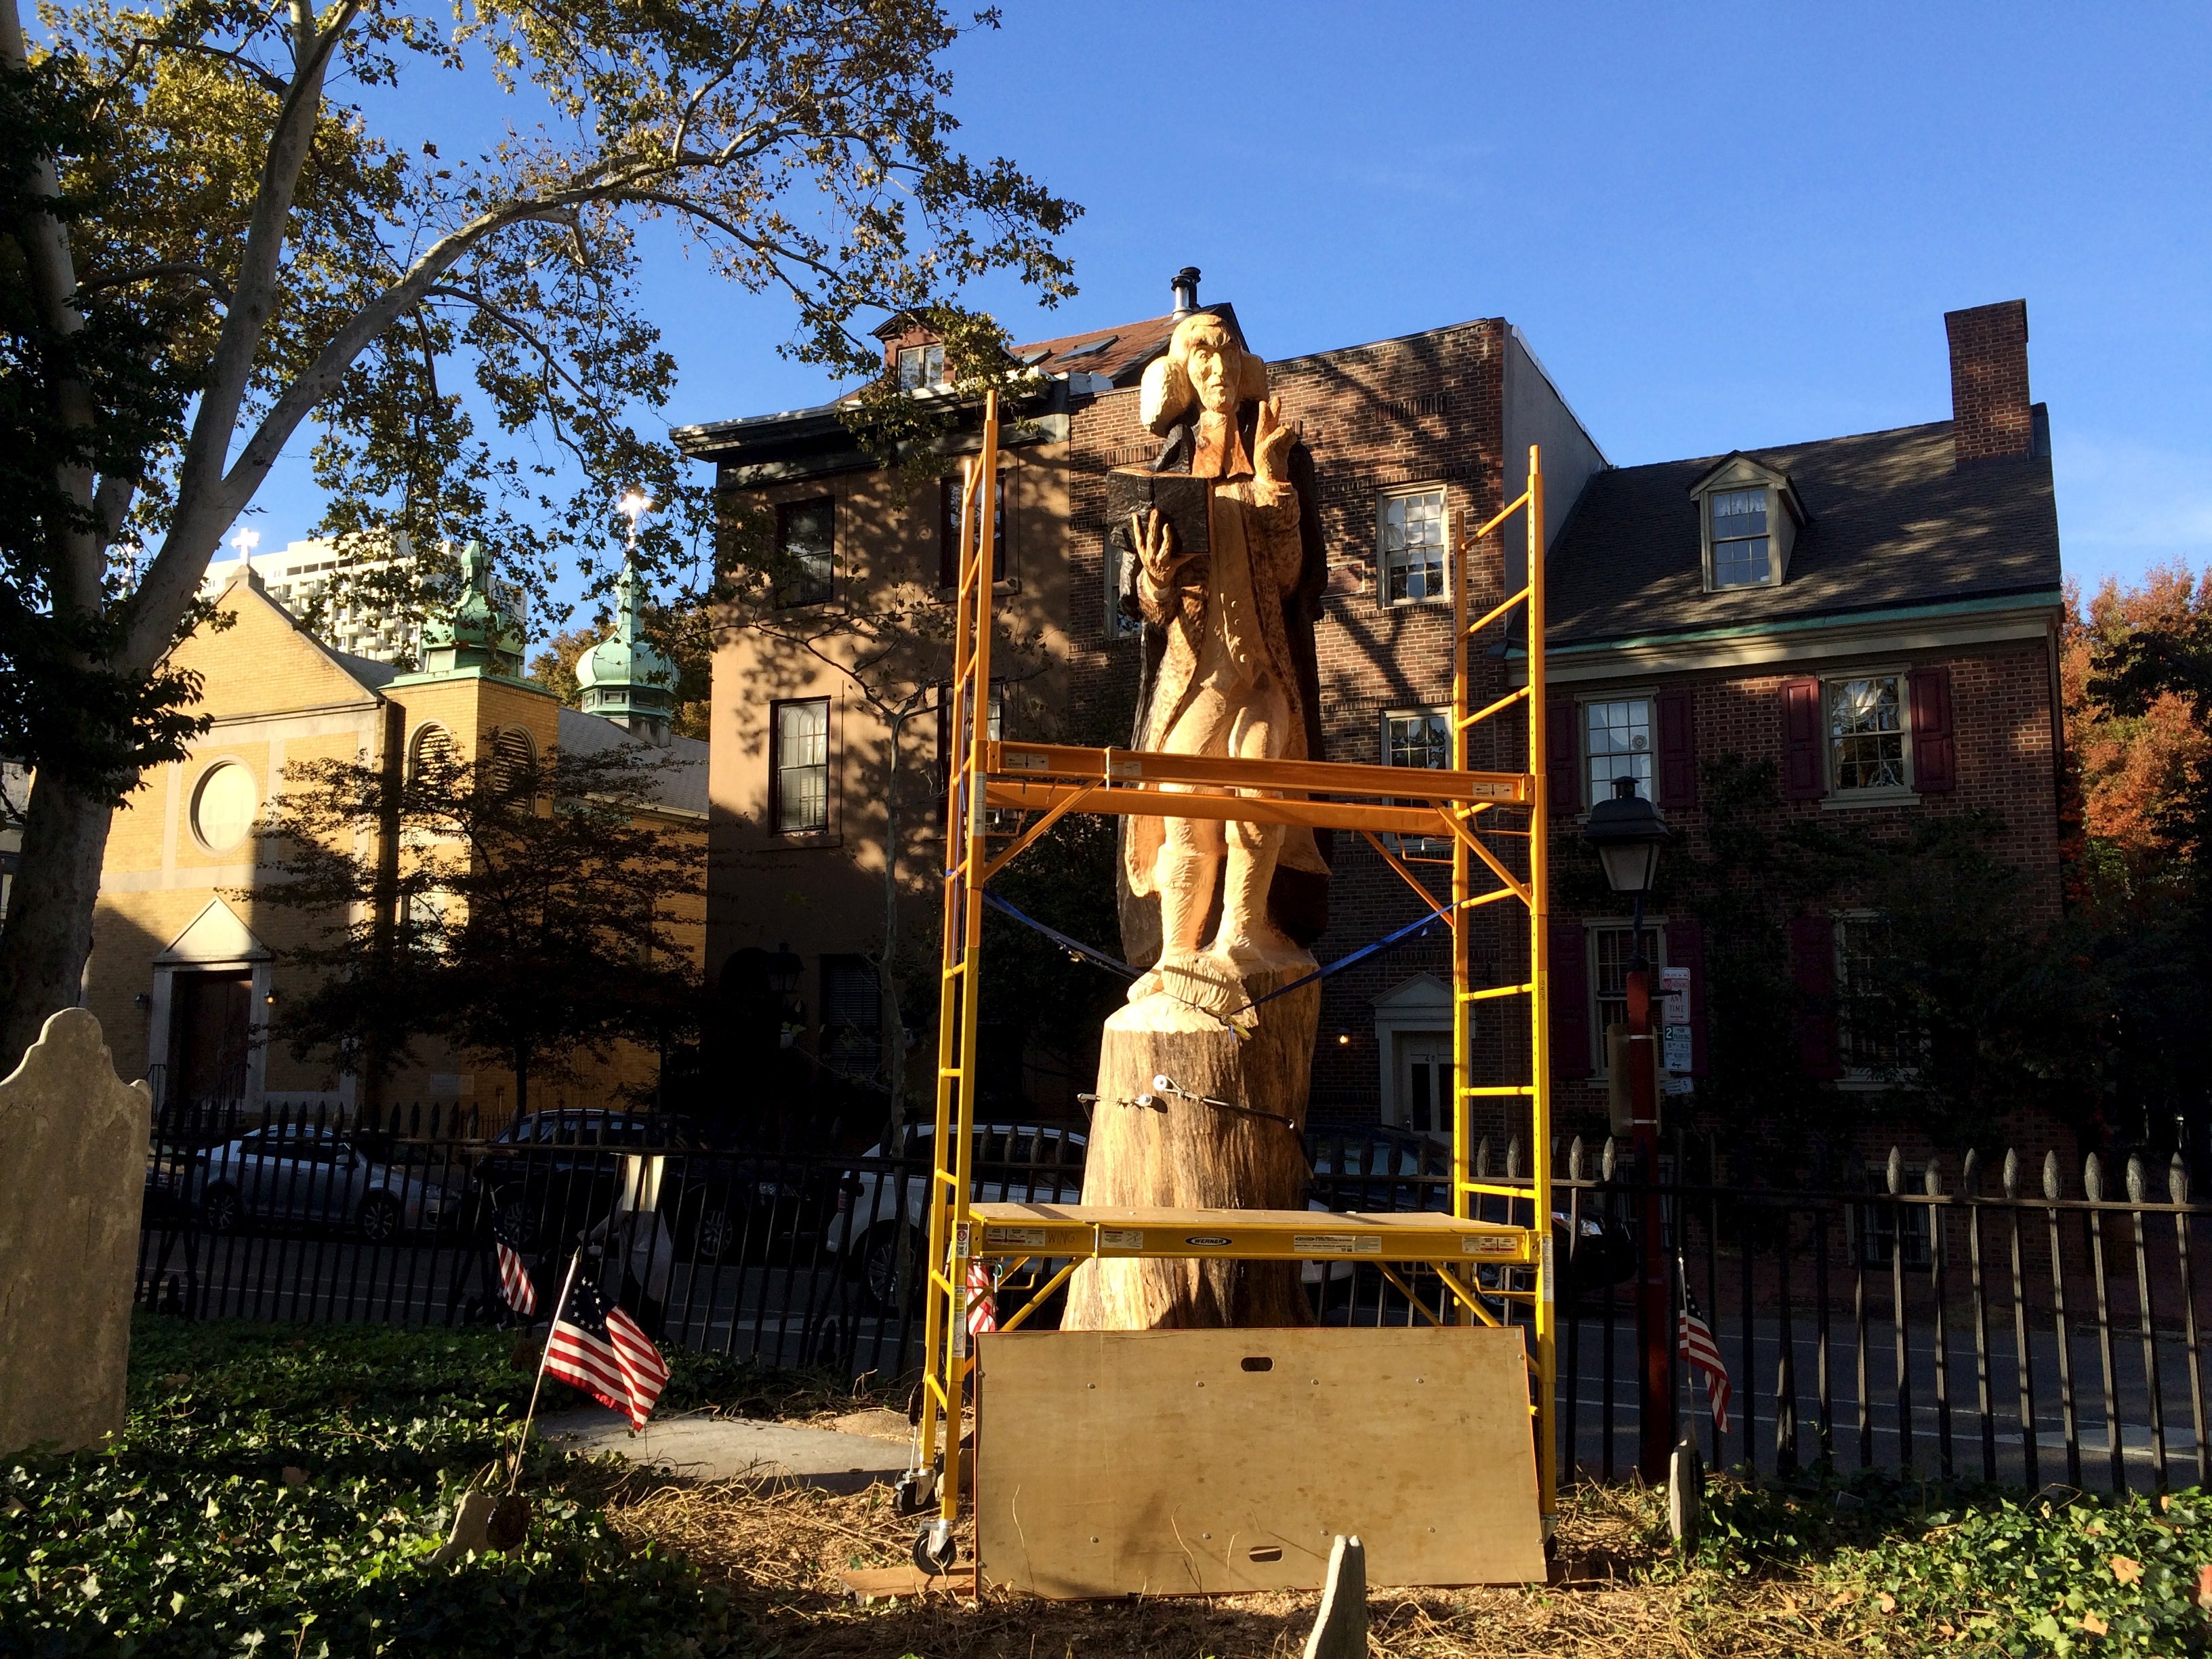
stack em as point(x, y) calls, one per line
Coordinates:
point(549, 1176)
point(1390, 1173)
point(1013, 1164)
point(298, 1173)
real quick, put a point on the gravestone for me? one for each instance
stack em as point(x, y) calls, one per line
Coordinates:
point(73, 1146)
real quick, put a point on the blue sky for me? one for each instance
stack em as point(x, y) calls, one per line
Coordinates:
point(1720, 227)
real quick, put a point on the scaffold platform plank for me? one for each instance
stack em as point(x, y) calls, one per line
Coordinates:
point(1084, 1230)
point(1120, 767)
point(1243, 808)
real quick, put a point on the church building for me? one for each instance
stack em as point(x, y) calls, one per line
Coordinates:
point(187, 967)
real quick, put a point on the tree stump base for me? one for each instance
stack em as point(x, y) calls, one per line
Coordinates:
point(1177, 1152)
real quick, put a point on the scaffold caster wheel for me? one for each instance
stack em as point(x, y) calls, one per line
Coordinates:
point(934, 1549)
point(914, 1491)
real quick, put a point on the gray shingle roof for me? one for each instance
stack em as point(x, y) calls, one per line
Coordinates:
point(680, 784)
point(1892, 523)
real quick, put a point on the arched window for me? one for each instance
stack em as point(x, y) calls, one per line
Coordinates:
point(514, 759)
point(433, 751)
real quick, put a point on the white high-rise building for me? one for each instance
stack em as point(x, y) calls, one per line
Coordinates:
point(298, 572)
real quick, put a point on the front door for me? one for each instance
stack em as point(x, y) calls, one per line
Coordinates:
point(210, 1036)
point(1425, 1082)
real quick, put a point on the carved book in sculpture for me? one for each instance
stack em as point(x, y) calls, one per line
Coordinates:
point(1223, 562)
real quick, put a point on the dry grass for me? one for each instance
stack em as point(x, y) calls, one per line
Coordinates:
point(779, 1551)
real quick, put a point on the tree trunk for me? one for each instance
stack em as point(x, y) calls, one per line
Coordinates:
point(887, 987)
point(48, 932)
point(1181, 1153)
point(521, 1082)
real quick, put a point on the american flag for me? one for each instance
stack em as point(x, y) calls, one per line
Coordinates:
point(515, 1288)
point(982, 1305)
point(602, 1350)
point(1703, 1353)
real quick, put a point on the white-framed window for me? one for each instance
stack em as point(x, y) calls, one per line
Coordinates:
point(807, 549)
point(1119, 626)
point(1748, 517)
point(1410, 546)
point(852, 1016)
point(921, 366)
point(1882, 1228)
point(1612, 949)
point(1869, 745)
point(996, 820)
point(1419, 738)
point(1743, 552)
point(1878, 1037)
point(1616, 744)
point(427, 914)
point(799, 767)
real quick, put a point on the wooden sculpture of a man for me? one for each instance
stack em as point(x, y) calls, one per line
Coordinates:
point(1230, 679)
point(1224, 567)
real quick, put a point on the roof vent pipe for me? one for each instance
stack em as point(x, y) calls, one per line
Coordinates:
point(1185, 284)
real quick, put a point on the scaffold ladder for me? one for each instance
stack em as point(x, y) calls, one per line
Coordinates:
point(1470, 807)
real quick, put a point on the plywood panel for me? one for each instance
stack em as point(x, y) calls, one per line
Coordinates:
point(1176, 1462)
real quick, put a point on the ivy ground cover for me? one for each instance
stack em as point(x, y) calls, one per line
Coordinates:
point(279, 1493)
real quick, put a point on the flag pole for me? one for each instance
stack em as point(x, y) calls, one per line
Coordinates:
point(520, 1446)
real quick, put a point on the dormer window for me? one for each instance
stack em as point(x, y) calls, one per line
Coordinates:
point(1741, 546)
point(1748, 516)
point(920, 366)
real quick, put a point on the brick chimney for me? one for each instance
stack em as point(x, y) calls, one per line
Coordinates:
point(1990, 413)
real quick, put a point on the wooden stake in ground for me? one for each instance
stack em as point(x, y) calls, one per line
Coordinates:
point(1339, 1629)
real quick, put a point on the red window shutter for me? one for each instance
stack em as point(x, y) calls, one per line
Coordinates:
point(1678, 750)
point(1571, 1038)
point(1813, 960)
point(1935, 754)
point(1563, 756)
point(1685, 948)
point(1804, 773)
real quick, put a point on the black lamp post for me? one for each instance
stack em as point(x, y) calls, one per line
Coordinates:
point(784, 968)
point(1627, 833)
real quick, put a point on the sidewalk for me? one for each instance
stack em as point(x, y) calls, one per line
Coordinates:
point(847, 1454)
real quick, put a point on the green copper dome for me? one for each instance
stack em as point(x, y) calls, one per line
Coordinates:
point(627, 680)
point(474, 631)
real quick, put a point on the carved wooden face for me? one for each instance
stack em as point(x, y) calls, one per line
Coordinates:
point(1217, 374)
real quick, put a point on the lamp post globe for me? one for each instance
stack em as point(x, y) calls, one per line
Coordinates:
point(1627, 833)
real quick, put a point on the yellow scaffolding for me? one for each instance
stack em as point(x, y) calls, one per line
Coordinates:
point(1048, 781)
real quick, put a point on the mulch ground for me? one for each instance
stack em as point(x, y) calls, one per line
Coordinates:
point(778, 1550)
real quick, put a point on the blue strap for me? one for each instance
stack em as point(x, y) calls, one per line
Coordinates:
point(1075, 945)
point(1079, 948)
point(1360, 955)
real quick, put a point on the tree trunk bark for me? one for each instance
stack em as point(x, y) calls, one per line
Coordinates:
point(48, 934)
point(1181, 1153)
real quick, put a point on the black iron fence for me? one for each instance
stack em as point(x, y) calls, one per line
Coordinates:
point(2004, 1318)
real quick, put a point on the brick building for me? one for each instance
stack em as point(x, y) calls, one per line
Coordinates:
point(1905, 583)
point(1872, 620)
